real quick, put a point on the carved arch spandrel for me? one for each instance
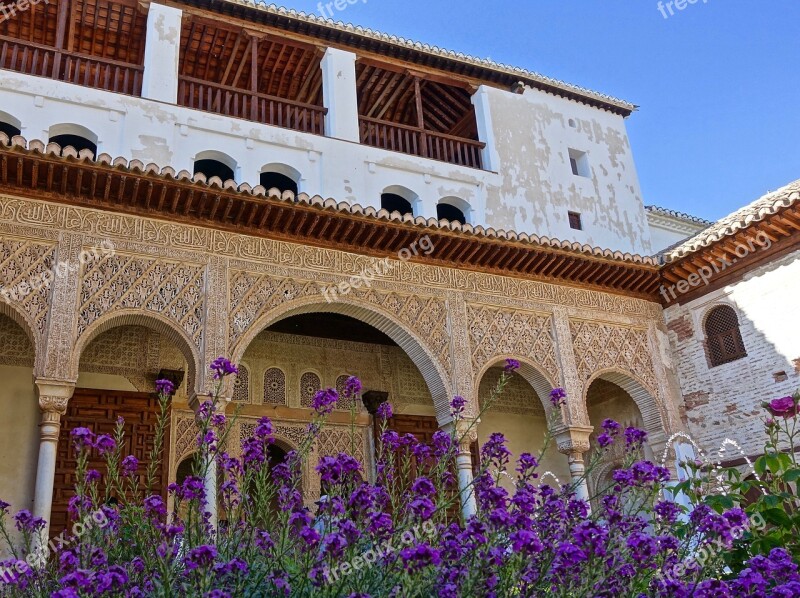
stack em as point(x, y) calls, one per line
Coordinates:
point(419, 324)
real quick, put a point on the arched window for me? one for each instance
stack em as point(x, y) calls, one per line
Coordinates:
point(723, 337)
point(398, 199)
point(75, 136)
point(274, 387)
point(217, 164)
point(280, 176)
point(309, 386)
point(453, 209)
point(9, 125)
point(241, 388)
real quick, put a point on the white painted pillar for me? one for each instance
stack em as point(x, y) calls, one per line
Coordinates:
point(577, 471)
point(573, 441)
point(210, 479)
point(339, 95)
point(469, 506)
point(161, 53)
point(483, 115)
point(54, 395)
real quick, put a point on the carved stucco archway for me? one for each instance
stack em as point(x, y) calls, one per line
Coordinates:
point(435, 375)
point(21, 319)
point(530, 372)
point(648, 404)
point(151, 320)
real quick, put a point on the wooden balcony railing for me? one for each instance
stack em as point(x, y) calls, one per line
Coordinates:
point(240, 103)
point(71, 67)
point(418, 142)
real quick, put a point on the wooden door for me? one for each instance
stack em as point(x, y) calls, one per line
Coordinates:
point(98, 410)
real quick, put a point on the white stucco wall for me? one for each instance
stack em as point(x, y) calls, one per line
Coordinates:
point(666, 231)
point(528, 139)
point(725, 401)
point(532, 135)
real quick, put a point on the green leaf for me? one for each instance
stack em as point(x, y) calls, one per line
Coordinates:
point(792, 475)
point(760, 465)
point(778, 517)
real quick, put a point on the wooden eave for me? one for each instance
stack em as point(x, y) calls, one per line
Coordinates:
point(147, 192)
point(783, 230)
point(318, 33)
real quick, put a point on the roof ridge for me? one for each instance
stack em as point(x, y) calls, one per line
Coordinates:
point(742, 219)
point(654, 209)
point(259, 191)
point(275, 9)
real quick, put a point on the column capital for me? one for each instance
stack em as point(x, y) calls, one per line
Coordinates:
point(466, 431)
point(573, 440)
point(198, 399)
point(54, 395)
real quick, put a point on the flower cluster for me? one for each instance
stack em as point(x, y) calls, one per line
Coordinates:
point(360, 537)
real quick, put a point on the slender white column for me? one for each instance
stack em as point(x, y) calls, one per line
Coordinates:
point(469, 506)
point(53, 399)
point(162, 53)
point(577, 471)
point(483, 115)
point(210, 480)
point(573, 441)
point(339, 94)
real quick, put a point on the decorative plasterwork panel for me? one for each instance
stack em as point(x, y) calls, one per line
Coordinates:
point(253, 295)
point(495, 331)
point(24, 268)
point(174, 289)
point(15, 346)
point(601, 346)
point(518, 397)
point(125, 229)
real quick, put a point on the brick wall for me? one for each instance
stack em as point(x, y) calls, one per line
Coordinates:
point(724, 401)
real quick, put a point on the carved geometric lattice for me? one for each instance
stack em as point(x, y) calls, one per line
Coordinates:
point(518, 397)
point(331, 442)
point(253, 295)
point(600, 346)
point(494, 331)
point(274, 387)
point(309, 386)
point(15, 346)
point(241, 388)
point(22, 266)
point(170, 288)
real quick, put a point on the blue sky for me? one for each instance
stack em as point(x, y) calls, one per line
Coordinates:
point(718, 83)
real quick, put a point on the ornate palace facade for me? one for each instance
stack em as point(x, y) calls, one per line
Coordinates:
point(163, 169)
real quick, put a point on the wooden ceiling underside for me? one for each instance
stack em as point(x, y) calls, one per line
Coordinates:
point(102, 28)
point(388, 94)
point(226, 56)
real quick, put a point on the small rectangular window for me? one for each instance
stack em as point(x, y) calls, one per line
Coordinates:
point(579, 163)
point(575, 221)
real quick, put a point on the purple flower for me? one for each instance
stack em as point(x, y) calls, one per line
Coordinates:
point(105, 444)
point(201, 557)
point(222, 367)
point(92, 476)
point(81, 438)
point(26, 522)
point(324, 401)
point(384, 411)
point(422, 508)
point(558, 397)
point(784, 407)
point(511, 366)
point(154, 506)
point(264, 428)
point(457, 405)
point(4, 506)
point(352, 387)
point(495, 449)
point(611, 427)
point(130, 465)
point(422, 486)
point(604, 440)
point(634, 437)
point(419, 557)
point(165, 388)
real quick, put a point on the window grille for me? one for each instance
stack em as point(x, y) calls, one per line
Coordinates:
point(724, 337)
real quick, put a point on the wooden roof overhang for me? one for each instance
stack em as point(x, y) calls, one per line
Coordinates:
point(318, 32)
point(147, 191)
point(732, 256)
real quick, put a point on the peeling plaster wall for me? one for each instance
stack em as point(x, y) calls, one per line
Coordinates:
point(725, 401)
point(170, 135)
point(532, 137)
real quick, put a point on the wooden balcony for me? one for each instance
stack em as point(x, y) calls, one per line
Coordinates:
point(420, 142)
point(71, 67)
point(258, 107)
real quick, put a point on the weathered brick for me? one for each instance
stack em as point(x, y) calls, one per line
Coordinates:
point(682, 327)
